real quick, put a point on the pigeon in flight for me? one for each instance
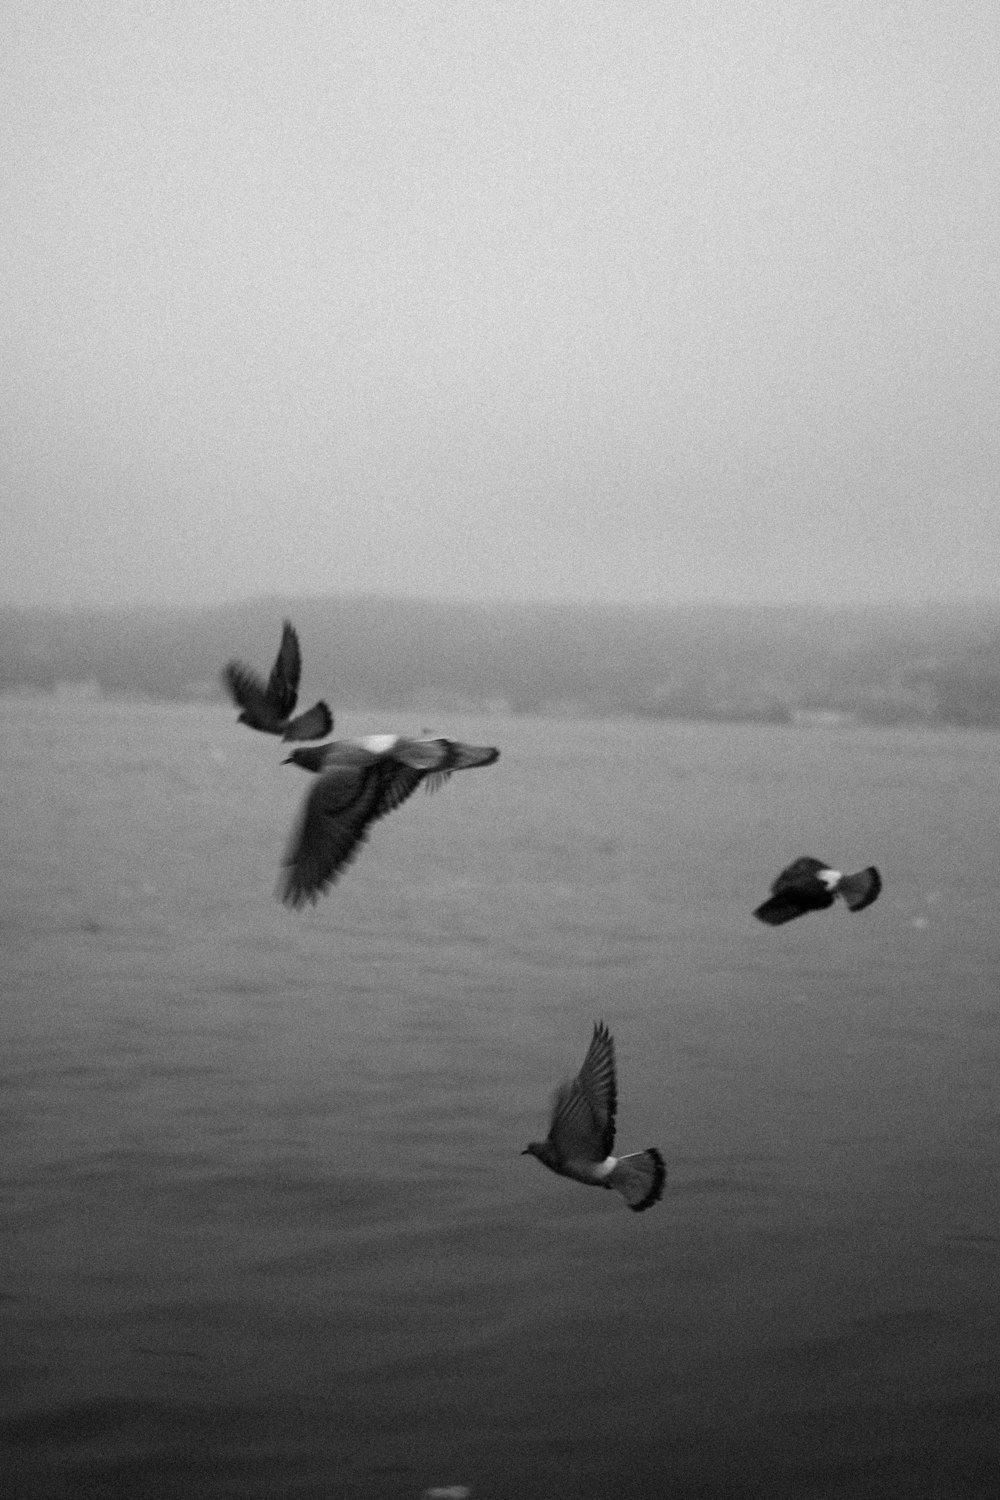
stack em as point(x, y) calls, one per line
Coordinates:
point(359, 781)
point(582, 1133)
point(810, 885)
point(269, 706)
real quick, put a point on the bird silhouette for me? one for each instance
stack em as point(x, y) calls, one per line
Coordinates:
point(269, 706)
point(359, 781)
point(808, 884)
point(582, 1133)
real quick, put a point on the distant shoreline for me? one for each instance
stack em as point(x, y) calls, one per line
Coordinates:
point(88, 691)
point(923, 665)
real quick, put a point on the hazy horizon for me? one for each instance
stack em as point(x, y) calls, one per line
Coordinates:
point(593, 304)
point(291, 600)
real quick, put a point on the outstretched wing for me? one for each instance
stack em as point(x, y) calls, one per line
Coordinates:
point(283, 683)
point(395, 784)
point(332, 824)
point(249, 694)
point(583, 1113)
point(335, 820)
point(411, 762)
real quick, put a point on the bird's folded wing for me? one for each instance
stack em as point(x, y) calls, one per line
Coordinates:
point(283, 684)
point(804, 868)
point(780, 908)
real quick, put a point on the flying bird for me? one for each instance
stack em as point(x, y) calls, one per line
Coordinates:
point(269, 706)
point(582, 1133)
point(810, 885)
point(359, 781)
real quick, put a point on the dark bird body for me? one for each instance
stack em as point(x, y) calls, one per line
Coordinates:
point(269, 706)
point(810, 885)
point(582, 1133)
point(359, 781)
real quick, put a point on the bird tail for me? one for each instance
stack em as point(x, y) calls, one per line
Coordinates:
point(459, 758)
point(443, 756)
point(639, 1178)
point(468, 756)
point(315, 724)
point(861, 889)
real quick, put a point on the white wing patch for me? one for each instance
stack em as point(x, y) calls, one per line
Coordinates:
point(379, 744)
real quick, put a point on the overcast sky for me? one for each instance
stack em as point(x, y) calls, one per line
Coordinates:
point(638, 301)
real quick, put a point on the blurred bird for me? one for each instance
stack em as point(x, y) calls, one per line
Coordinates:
point(268, 707)
point(810, 885)
point(359, 781)
point(582, 1133)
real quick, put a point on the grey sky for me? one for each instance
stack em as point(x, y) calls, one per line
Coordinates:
point(578, 300)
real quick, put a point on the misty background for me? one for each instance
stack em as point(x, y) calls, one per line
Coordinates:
point(931, 665)
point(616, 303)
point(541, 357)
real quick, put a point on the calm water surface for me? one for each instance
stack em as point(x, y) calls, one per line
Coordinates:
point(267, 1232)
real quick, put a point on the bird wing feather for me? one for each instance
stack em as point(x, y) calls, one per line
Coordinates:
point(780, 908)
point(395, 784)
point(283, 683)
point(798, 889)
point(332, 824)
point(249, 693)
point(804, 868)
point(583, 1111)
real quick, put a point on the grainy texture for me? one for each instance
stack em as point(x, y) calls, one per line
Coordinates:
point(267, 1230)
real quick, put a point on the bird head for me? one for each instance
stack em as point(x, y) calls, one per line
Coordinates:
point(309, 757)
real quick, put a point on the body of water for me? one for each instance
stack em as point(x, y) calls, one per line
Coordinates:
point(267, 1231)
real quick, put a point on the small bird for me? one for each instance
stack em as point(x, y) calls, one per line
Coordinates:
point(359, 781)
point(810, 885)
point(582, 1133)
point(268, 707)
